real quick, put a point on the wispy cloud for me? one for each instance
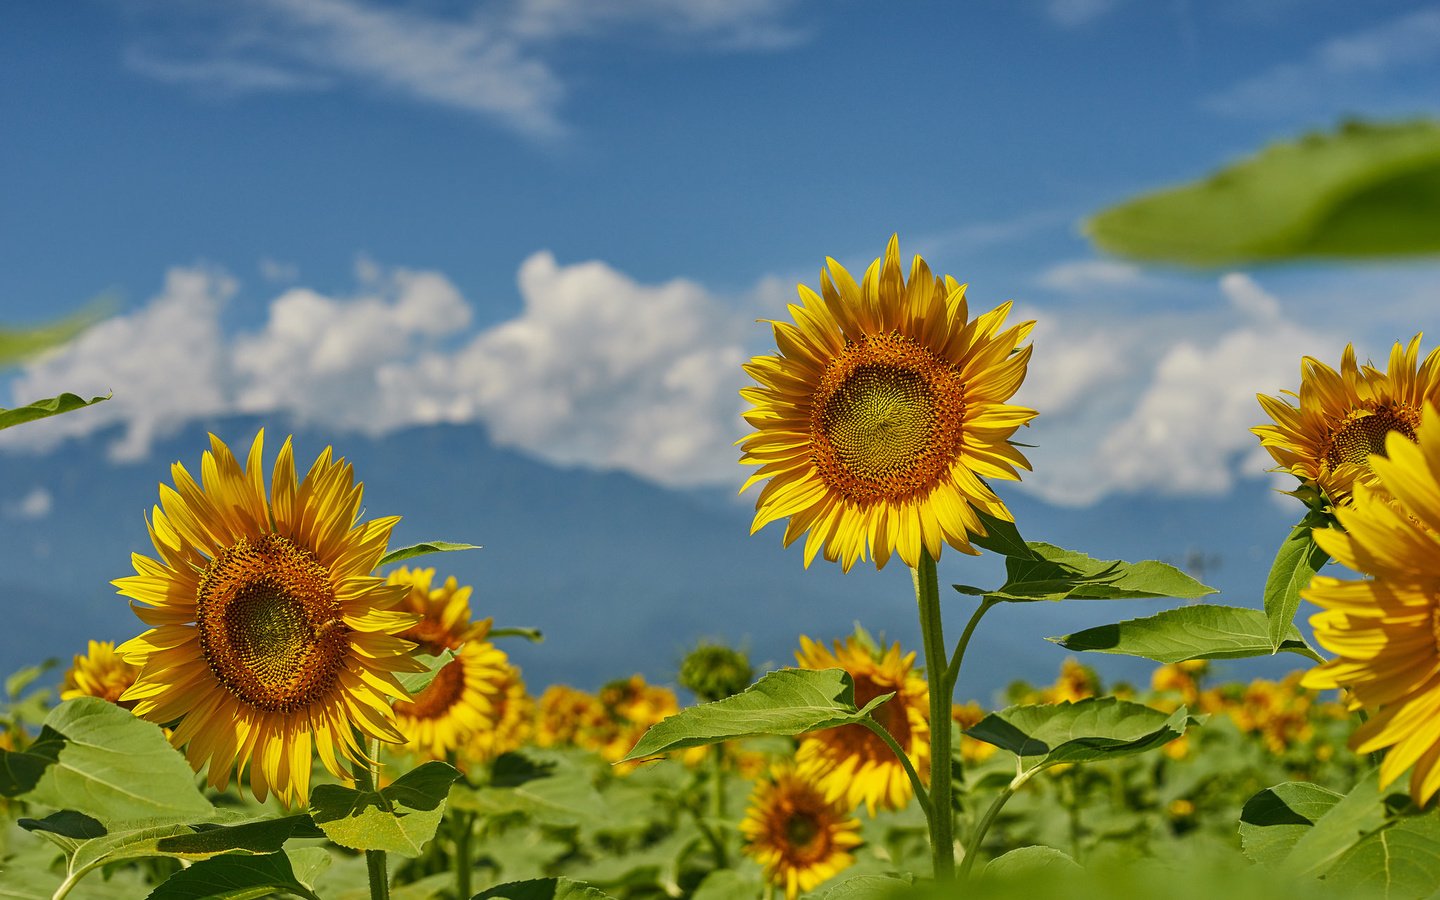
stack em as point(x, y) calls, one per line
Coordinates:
point(1073, 13)
point(1344, 73)
point(497, 61)
point(34, 505)
point(1082, 275)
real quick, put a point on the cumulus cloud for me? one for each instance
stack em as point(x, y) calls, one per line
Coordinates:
point(34, 505)
point(495, 61)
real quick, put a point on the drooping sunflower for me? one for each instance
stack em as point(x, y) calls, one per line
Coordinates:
point(1384, 627)
point(1340, 419)
point(851, 763)
point(457, 704)
point(270, 639)
point(883, 413)
point(99, 672)
point(800, 838)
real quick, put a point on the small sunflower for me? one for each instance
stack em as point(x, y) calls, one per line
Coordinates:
point(99, 672)
point(567, 716)
point(510, 722)
point(1385, 628)
point(1343, 418)
point(851, 763)
point(800, 837)
point(270, 639)
point(457, 704)
point(883, 413)
point(444, 612)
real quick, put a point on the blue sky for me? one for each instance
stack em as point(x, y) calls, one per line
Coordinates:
point(560, 218)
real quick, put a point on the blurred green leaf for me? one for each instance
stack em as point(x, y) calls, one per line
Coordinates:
point(732, 884)
point(864, 887)
point(18, 344)
point(1054, 573)
point(1098, 728)
point(1401, 860)
point(1201, 631)
point(1274, 819)
point(543, 889)
point(786, 702)
point(1297, 560)
point(415, 682)
point(400, 818)
point(234, 878)
point(1023, 860)
point(98, 758)
point(1364, 190)
point(422, 549)
point(16, 684)
point(42, 409)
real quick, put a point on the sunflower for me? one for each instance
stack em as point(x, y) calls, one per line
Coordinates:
point(99, 672)
point(1385, 628)
point(883, 413)
point(270, 637)
point(457, 704)
point(444, 612)
point(800, 837)
point(568, 716)
point(510, 722)
point(1343, 418)
point(852, 764)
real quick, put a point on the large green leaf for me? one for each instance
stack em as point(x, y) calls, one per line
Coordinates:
point(43, 409)
point(1274, 819)
point(1298, 559)
point(97, 758)
point(421, 549)
point(1353, 817)
point(785, 702)
point(543, 889)
point(1402, 860)
point(1025, 861)
point(234, 878)
point(1099, 728)
point(1001, 537)
point(865, 887)
point(1201, 631)
point(400, 818)
point(1364, 190)
point(1054, 573)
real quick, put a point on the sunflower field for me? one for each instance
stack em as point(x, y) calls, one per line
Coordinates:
point(306, 709)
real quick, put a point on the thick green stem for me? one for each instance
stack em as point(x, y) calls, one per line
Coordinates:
point(366, 779)
point(717, 803)
point(972, 850)
point(463, 863)
point(941, 816)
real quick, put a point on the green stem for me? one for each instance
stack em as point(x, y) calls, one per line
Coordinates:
point(366, 779)
point(1073, 803)
point(940, 815)
point(921, 794)
point(717, 803)
point(952, 673)
point(972, 852)
point(463, 863)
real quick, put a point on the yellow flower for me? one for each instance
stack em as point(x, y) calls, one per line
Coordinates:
point(1384, 628)
point(1276, 711)
point(852, 764)
point(567, 716)
point(444, 611)
point(1076, 682)
point(271, 640)
point(457, 704)
point(1342, 418)
point(800, 837)
point(510, 722)
point(968, 715)
point(99, 672)
point(632, 706)
point(883, 413)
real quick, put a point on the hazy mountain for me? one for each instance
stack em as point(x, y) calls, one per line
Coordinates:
point(622, 576)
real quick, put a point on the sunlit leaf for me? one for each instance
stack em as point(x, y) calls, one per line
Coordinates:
point(1054, 573)
point(785, 702)
point(421, 549)
point(1274, 819)
point(1363, 190)
point(1085, 731)
point(43, 409)
point(1353, 817)
point(399, 818)
point(1400, 860)
point(1201, 631)
point(415, 682)
point(1298, 559)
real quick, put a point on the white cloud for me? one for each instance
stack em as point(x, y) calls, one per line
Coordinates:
point(496, 61)
point(1341, 74)
point(275, 270)
point(1077, 276)
point(34, 505)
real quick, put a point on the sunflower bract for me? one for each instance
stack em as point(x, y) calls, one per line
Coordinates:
point(884, 412)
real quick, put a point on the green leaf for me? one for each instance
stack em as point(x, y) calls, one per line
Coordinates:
point(233, 878)
point(1402, 860)
point(542, 789)
point(1352, 818)
point(1024, 861)
point(415, 682)
point(865, 887)
point(1364, 190)
point(1000, 537)
point(422, 549)
point(1274, 819)
point(1201, 631)
point(98, 758)
point(730, 884)
point(1054, 573)
point(400, 818)
point(1297, 560)
point(16, 684)
point(18, 344)
point(543, 889)
point(1098, 728)
point(785, 702)
point(43, 409)
point(263, 836)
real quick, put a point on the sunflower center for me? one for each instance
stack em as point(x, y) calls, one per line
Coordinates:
point(800, 829)
point(1364, 434)
point(439, 696)
point(886, 419)
point(269, 623)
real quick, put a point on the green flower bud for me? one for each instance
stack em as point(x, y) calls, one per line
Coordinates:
point(715, 672)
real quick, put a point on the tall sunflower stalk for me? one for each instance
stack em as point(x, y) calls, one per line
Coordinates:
point(876, 427)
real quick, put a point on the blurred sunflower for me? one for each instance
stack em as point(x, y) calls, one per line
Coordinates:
point(852, 764)
point(444, 611)
point(800, 838)
point(271, 640)
point(457, 704)
point(510, 721)
point(569, 716)
point(1383, 627)
point(99, 672)
point(883, 413)
point(968, 715)
point(1343, 418)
